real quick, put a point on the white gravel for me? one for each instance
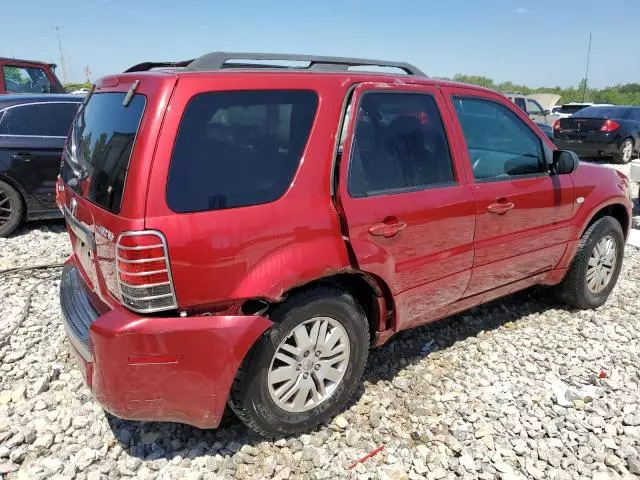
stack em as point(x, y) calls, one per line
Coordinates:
point(508, 390)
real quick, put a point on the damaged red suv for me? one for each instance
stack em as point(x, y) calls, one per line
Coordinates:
point(246, 227)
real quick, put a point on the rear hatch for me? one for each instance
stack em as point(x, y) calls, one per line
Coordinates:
point(105, 170)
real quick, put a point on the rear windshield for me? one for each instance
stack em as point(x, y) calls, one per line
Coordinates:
point(604, 112)
point(570, 109)
point(238, 148)
point(99, 148)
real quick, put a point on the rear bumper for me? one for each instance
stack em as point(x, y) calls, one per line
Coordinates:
point(588, 148)
point(177, 369)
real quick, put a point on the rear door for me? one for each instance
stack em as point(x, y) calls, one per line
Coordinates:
point(522, 212)
point(32, 139)
point(408, 209)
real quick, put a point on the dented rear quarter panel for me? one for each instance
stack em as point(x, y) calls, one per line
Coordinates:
point(258, 251)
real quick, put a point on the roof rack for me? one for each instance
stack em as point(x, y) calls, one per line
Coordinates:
point(219, 60)
point(142, 67)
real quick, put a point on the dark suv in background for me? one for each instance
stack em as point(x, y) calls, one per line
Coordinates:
point(33, 129)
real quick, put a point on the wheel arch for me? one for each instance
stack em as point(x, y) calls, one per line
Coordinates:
point(371, 293)
point(615, 210)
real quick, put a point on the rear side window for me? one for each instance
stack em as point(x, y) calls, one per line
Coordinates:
point(44, 119)
point(399, 145)
point(25, 80)
point(99, 148)
point(239, 148)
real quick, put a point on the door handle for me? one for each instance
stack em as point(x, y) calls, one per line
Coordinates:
point(501, 207)
point(387, 228)
point(26, 156)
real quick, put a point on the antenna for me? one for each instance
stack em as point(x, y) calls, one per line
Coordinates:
point(62, 62)
point(586, 74)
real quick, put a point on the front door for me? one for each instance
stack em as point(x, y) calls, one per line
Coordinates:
point(523, 212)
point(408, 209)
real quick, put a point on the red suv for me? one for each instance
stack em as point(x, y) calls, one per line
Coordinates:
point(234, 244)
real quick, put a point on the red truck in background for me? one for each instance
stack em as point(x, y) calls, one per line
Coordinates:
point(27, 76)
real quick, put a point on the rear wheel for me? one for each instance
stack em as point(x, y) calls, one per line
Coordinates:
point(11, 209)
point(625, 152)
point(306, 367)
point(596, 266)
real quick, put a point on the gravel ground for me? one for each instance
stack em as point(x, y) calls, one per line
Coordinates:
point(508, 390)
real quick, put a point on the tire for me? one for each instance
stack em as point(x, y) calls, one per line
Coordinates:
point(11, 209)
point(575, 289)
point(254, 394)
point(625, 152)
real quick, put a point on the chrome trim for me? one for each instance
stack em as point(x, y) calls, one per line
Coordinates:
point(167, 269)
point(32, 136)
point(142, 260)
point(149, 285)
point(142, 247)
point(151, 297)
point(139, 274)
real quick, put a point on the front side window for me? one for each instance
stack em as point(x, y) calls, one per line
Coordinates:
point(399, 145)
point(49, 119)
point(25, 80)
point(238, 148)
point(499, 143)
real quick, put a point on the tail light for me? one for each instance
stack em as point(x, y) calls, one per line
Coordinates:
point(556, 126)
point(609, 126)
point(144, 275)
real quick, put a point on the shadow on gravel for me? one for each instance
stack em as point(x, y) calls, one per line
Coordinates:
point(53, 225)
point(406, 348)
point(155, 440)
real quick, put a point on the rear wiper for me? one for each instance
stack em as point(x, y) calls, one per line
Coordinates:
point(129, 95)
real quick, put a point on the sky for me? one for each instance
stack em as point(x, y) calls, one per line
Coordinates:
point(535, 43)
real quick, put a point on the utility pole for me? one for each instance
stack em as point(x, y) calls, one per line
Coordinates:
point(586, 74)
point(63, 65)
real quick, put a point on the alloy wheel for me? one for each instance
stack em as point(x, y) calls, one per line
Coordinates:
point(627, 151)
point(309, 365)
point(602, 263)
point(6, 208)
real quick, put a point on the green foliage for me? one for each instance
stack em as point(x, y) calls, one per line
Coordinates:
point(69, 87)
point(627, 94)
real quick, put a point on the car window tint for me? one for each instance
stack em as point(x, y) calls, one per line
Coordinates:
point(399, 145)
point(499, 143)
point(26, 80)
point(521, 103)
point(534, 107)
point(49, 119)
point(238, 148)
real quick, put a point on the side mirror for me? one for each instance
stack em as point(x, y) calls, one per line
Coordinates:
point(546, 112)
point(565, 161)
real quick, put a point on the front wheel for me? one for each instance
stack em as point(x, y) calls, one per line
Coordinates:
point(306, 367)
point(596, 266)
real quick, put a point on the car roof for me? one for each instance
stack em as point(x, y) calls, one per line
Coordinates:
point(302, 75)
point(10, 99)
point(21, 60)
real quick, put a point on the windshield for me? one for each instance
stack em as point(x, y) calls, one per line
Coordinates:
point(603, 112)
point(99, 148)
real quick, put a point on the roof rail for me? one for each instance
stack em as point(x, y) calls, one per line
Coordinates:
point(142, 67)
point(220, 60)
